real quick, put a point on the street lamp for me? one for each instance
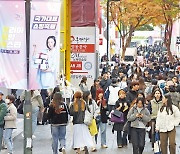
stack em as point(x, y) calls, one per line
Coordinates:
point(108, 1)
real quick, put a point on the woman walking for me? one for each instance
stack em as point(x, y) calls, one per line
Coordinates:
point(121, 105)
point(168, 118)
point(93, 109)
point(139, 116)
point(58, 115)
point(102, 117)
point(10, 122)
point(154, 107)
point(81, 135)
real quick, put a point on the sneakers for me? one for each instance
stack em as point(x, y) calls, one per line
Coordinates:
point(33, 136)
point(93, 150)
point(104, 146)
point(62, 150)
point(120, 146)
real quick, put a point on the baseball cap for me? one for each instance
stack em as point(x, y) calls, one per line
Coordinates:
point(1, 93)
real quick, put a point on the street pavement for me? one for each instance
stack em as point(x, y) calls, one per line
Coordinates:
point(42, 143)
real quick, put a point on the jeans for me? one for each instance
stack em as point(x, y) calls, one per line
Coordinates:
point(8, 139)
point(1, 136)
point(102, 127)
point(58, 133)
point(35, 112)
point(121, 138)
point(138, 140)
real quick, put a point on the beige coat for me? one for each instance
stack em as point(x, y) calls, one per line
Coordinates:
point(36, 99)
point(11, 117)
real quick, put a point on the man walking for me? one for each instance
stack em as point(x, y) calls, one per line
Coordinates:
point(3, 110)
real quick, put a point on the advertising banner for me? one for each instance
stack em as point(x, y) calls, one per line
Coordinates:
point(12, 45)
point(44, 45)
point(83, 39)
point(83, 56)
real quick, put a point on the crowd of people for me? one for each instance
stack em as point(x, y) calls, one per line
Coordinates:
point(133, 100)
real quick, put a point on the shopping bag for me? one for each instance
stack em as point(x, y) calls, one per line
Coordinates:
point(157, 148)
point(93, 128)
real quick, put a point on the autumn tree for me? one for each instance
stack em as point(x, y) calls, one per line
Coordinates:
point(168, 13)
point(128, 15)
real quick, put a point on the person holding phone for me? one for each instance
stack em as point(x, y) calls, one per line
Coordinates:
point(139, 116)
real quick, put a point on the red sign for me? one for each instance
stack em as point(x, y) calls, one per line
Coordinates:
point(76, 65)
point(83, 48)
point(72, 72)
point(100, 41)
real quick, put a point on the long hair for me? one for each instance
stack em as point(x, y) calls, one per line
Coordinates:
point(85, 97)
point(78, 98)
point(169, 104)
point(157, 89)
point(57, 101)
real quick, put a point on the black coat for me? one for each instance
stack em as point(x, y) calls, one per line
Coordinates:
point(105, 83)
point(119, 126)
point(61, 118)
point(131, 96)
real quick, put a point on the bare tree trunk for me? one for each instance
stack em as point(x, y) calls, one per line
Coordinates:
point(126, 40)
point(167, 39)
point(123, 48)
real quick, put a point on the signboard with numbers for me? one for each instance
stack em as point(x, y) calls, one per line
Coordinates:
point(83, 56)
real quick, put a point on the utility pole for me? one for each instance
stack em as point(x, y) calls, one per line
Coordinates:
point(107, 32)
point(27, 105)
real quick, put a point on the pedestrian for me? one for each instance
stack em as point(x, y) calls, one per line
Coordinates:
point(83, 84)
point(105, 82)
point(81, 135)
point(175, 96)
point(121, 105)
point(102, 117)
point(139, 116)
point(3, 110)
point(113, 95)
point(10, 122)
point(37, 104)
point(94, 87)
point(58, 115)
point(168, 118)
point(93, 109)
point(154, 106)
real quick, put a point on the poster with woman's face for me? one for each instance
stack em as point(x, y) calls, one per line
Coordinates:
point(44, 45)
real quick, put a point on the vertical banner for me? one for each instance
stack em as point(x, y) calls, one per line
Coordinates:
point(83, 56)
point(44, 45)
point(12, 45)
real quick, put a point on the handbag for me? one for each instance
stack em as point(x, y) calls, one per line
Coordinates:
point(88, 116)
point(20, 107)
point(127, 127)
point(157, 148)
point(117, 117)
point(93, 128)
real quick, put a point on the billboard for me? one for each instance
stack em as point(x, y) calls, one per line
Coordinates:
point(83, 56)
point(44, 45)
point(13, 71)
